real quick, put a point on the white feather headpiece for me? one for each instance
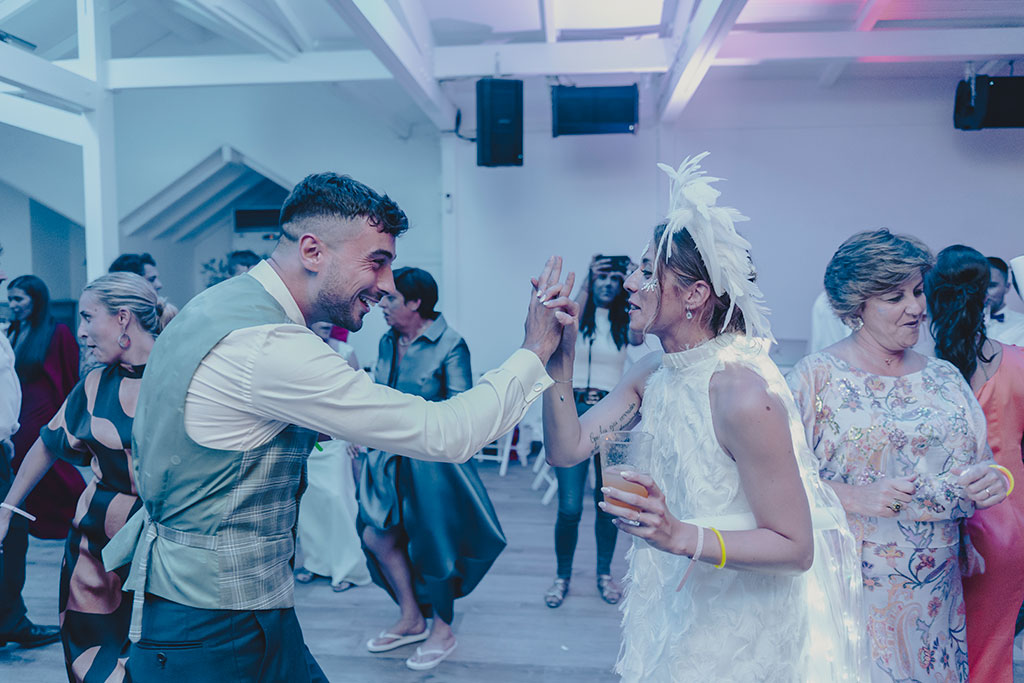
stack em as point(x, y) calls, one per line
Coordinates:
point(691, 206)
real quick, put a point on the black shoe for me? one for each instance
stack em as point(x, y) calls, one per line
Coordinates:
point(32, 636)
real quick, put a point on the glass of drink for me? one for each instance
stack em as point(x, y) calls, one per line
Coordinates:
point(624, 451)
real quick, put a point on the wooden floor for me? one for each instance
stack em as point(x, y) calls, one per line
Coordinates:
point(505, 631)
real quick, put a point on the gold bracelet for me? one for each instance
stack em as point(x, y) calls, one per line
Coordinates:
point(1009, 476)
point(721, 542)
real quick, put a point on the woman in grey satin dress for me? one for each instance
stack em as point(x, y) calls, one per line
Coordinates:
point(429, 530)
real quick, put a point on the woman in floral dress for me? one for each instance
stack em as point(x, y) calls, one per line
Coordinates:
point(901, 439)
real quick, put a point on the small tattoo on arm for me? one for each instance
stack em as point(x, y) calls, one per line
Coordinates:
point(620, 421)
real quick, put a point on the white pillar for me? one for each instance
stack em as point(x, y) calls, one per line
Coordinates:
point(102, 230)
point(98, 164)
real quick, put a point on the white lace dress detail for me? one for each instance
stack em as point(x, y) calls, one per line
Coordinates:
point(725, 624)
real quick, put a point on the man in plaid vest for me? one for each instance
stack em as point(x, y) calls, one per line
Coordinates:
point(235, 390)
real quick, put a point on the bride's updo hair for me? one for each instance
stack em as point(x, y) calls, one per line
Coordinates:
point(687, 266)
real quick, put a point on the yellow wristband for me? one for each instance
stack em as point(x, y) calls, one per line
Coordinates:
point(1009, 476)
point(721, 542)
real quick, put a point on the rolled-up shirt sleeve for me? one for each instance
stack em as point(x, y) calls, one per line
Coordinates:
point(298, 379)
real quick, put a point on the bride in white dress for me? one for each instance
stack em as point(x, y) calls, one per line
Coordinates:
point(773, 593)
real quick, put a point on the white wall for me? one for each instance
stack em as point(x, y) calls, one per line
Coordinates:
point(809, 165)
point(15, 235)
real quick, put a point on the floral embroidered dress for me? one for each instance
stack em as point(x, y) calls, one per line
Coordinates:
point(864, 427)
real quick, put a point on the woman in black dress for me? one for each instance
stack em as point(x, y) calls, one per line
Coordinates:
point(120, 318)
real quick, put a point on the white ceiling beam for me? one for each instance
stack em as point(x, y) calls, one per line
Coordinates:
point(551, 59)
point(223, 218)
point(171, 220)
point(380, 30)
point(547, 14)
point(94, 39)
point(867, 16)
point(213, 204)
point(70, 43)
point(159, 11)
point(166, 198)
point(180, 72)
point(41, 119)
point(418, 23)
point(705, 33)
point(946, 45)
point(34, 74)
point(230, 22)
point(252, 23)
point(289, 15)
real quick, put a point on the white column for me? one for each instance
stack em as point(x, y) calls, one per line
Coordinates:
point(102, 230)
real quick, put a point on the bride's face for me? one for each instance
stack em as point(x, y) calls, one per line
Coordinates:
point(653, 306)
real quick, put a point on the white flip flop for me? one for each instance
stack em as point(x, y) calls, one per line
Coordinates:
point(398, 640)
point(429, 664)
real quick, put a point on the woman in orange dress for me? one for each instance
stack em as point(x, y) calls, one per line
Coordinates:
point(956, 302)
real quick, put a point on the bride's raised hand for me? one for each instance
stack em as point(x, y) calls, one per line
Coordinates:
point(551, 310)
point(651, 519)
point(555, 295)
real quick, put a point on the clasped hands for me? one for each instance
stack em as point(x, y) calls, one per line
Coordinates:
point(552, 316)
point(982, 484)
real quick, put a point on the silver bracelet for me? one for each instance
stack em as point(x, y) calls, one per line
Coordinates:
point(18, 511)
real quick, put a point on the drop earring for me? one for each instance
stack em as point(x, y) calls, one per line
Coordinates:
point(124, 341)
point(689, 314)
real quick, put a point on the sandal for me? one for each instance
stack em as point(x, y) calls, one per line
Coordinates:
point(385, 641)
point(420, 661)
point(556, 594)
point(609, 589)
point(303, 575)
point(343, 586)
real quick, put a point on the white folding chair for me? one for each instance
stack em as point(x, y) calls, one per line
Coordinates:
point(498, 451)
point(545, 475)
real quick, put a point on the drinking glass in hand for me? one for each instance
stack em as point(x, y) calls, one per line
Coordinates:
point(624, 451)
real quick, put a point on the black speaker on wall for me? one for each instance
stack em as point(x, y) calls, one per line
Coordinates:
point(997, 102)
point(499, 122)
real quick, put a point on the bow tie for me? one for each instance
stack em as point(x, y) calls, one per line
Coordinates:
point(998, 317)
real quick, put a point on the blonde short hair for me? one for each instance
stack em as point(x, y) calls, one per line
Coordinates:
point(133, 293)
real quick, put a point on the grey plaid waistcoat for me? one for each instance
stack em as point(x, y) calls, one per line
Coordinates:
point(218, 527)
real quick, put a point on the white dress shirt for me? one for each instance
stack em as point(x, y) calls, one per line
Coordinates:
point(1009, 331)
point(10, 391)
point(261, 379)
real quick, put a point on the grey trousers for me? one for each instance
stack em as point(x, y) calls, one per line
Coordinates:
point(182, 644)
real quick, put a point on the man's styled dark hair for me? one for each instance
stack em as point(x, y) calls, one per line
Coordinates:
point(329, 195)
point(132, 263)
point(244, 258)
point(1000, 265)
point(417, 284)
